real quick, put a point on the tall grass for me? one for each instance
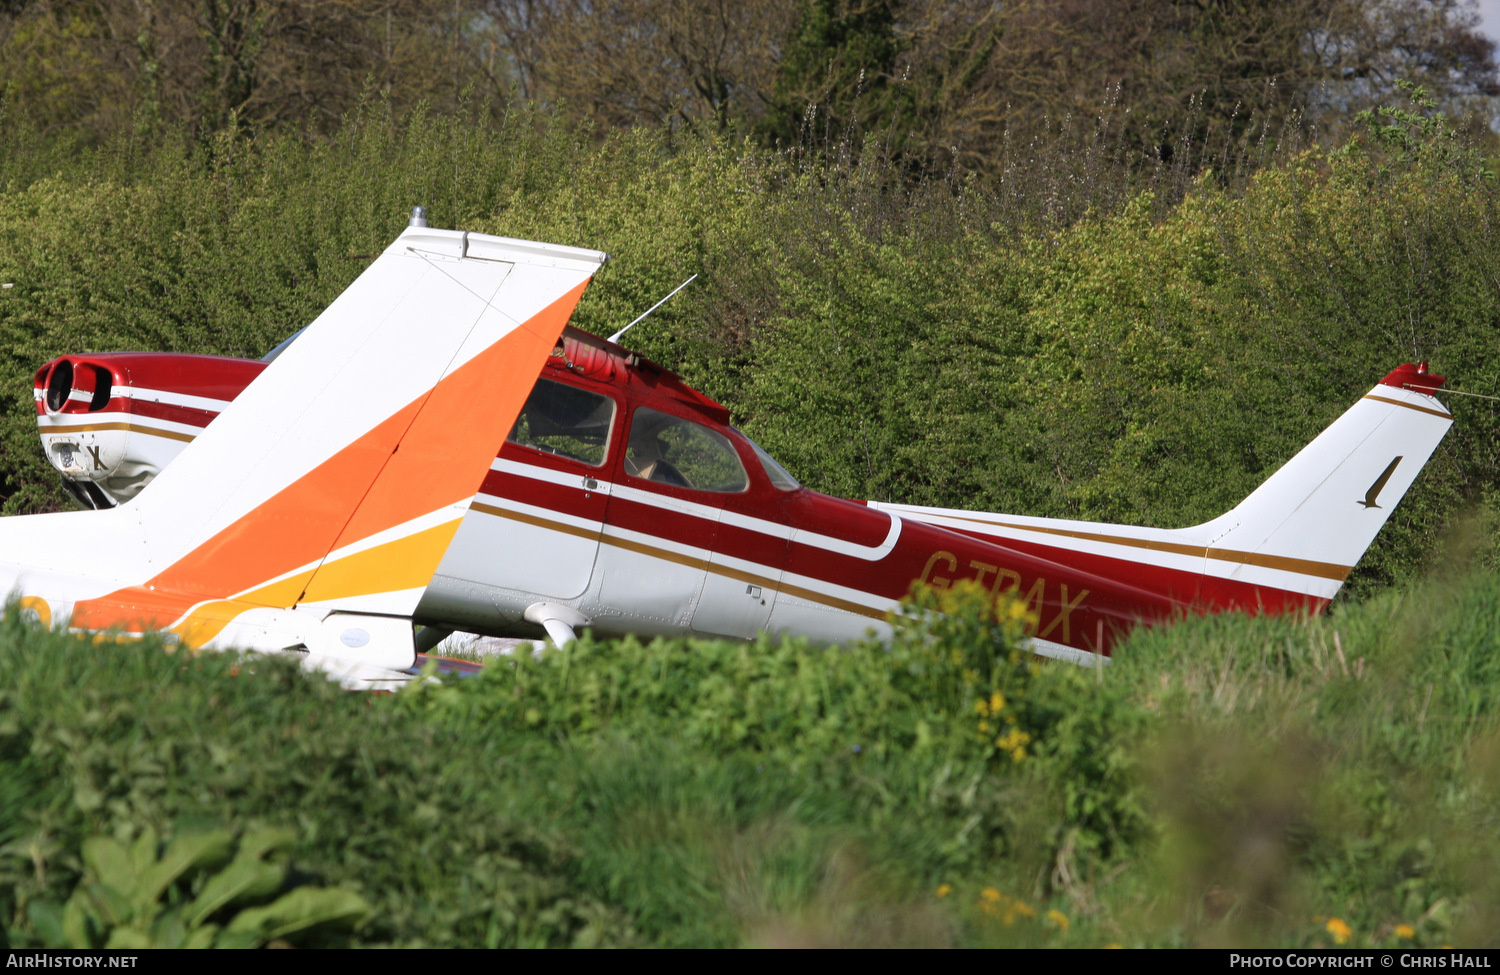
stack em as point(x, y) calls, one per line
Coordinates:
point(1227, 781)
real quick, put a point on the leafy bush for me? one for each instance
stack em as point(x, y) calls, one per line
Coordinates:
point(120, 901)
point(109, 747)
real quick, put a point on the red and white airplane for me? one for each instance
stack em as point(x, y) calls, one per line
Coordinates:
point(325, 499)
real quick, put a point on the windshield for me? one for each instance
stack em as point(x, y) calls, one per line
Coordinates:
point(778, 474)
point(281, 347)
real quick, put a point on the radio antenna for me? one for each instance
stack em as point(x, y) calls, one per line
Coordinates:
point(616, 337)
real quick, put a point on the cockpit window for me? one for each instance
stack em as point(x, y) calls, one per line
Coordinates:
point(566, 421)
point(670, 450)
point(778, 474)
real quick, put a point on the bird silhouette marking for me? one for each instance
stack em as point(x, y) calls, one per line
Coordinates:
point(1379, 485)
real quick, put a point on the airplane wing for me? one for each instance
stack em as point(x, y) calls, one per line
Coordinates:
point(336, 480)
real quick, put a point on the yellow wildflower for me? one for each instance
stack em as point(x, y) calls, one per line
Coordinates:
point(1058, 918)
point(997, 702)
point(1014, 741)
point(1007, 909)
point(1339, 930)
point(1405, 931)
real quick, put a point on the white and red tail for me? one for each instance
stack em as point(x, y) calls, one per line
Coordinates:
point(1294, 540)
point(313, 512)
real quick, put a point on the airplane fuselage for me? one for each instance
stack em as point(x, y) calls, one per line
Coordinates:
point(627, 497)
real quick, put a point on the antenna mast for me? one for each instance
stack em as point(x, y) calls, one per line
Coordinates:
point(615, 338)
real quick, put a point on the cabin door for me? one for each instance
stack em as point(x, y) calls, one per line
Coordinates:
point(533, 529)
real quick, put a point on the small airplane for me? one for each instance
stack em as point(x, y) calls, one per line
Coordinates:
point(346, 489)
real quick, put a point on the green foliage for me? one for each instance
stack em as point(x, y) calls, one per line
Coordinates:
point(108, 747)
point(122, 901)
point(1335, 768)
point(1418, 133)
point(1228, 780)
point(838, 60)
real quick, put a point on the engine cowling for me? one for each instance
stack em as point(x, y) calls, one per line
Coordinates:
point(110, 422)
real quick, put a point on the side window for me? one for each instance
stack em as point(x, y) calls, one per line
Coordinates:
point(566, 421)
point(670, 450)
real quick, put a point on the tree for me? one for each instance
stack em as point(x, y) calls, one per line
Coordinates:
point(627, 62)
point(97, 66)
point(949, 82)
point(840, 57)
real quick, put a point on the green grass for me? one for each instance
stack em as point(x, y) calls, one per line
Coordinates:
point(1228, 781)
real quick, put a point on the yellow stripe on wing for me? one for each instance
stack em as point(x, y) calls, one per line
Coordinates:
point(402, 563)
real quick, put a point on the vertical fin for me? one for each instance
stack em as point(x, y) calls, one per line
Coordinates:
point(1292, 541)
point(1321, 510)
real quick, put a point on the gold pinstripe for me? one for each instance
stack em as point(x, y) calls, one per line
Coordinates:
point(1410, 406)
point(130, 427)
point(641, 548)
point(1323, 570)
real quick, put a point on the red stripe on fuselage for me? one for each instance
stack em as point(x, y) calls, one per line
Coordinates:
point(160, 411)
point(1204, 593)
point(1073, 606)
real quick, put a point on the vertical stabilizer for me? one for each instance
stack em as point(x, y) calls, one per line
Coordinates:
point(1319, 512)
point(1292, 542)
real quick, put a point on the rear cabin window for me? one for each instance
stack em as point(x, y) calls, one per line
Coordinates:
point(670, 450)
point(566, 421)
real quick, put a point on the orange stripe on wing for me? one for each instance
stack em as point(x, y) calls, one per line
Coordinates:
point(297, 526)
point(138, 609)
point(207, 620)
point(451, 432)
point(460, 429)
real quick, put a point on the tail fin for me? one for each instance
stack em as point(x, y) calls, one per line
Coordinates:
point(1290, 543)
point(337, 479)
point(1319, 513)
